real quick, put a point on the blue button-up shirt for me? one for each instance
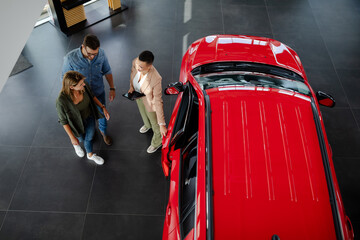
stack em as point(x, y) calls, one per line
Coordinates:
point(93, 70)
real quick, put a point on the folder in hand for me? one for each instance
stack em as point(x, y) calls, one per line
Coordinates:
point(134, 95)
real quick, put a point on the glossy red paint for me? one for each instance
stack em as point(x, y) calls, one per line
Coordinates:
point(171, 226)
point(268, 173)
point(266, 169)
point(221, 48)
point(165, 158)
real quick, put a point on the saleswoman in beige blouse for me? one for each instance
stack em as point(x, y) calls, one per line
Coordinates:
point(145, 79)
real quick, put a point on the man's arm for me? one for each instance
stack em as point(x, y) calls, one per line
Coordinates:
point(106, 69)
point(110, 80)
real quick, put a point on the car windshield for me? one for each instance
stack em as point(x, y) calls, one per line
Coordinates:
point(240, 78)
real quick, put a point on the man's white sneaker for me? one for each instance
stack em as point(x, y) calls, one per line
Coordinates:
point(144, 129)
point(79, 151)
point(152, 149)
point(97, 159)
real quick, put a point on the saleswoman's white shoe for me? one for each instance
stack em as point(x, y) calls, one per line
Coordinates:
point(152, 149)
point(143, 129)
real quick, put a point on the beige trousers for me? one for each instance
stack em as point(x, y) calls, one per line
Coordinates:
point(150, 121)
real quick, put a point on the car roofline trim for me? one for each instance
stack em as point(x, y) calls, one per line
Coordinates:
point(209, 178)
point(329, 180)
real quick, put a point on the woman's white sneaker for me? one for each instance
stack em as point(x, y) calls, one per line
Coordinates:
point(79, 151)
point(97, 159)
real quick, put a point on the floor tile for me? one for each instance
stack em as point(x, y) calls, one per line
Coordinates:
point(176, 70)
point(356, 112)
point(55, 43)
point(2, 217)
point(288, 3)
point(334, 4)
point(338, 119)
point(245, 19)
point(356, 226)
point(344, 51)
point(349, 80)
point(194, 13)
point(326, 80)
point(347, 174)
point(334, 22)
point(345, 143)
point(31, 83)
point(160, 42)
point(131, 182)
point(291, 20)
point(245, 2)
point(54, 179)
point(126, 136)
point(42, 226)
point(144, 16)
point(109, 227)
point(12, 160)
point(20, 119)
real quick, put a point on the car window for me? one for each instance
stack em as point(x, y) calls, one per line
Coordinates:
point(249, 79)
point(187, 196)
point(246, 67)
point(186, 123)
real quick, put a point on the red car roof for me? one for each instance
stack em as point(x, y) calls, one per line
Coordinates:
point(268, 175)
point(243, 48)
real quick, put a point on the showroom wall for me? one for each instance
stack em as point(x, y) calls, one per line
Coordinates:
point(17, 20)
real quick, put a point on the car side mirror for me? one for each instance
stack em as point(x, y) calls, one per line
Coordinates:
point(325, 99)
point(174, 88)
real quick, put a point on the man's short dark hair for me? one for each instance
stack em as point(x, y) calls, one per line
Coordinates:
point(146, 56)
point(91, 41)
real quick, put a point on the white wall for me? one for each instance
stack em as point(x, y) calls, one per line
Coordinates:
point(17, 20)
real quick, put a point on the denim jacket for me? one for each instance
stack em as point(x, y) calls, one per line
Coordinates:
point(93, 70)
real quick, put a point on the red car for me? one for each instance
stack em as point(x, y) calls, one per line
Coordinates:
point(246, 149)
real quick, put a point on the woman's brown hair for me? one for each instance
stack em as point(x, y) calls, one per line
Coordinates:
point(71, 78)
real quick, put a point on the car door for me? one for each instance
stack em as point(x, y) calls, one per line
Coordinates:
point(181, 152)
point(179, 127)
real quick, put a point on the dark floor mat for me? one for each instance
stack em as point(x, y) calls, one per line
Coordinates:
point(21, 65)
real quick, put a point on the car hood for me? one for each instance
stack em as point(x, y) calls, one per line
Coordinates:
point(241, 48)
point(268, 175)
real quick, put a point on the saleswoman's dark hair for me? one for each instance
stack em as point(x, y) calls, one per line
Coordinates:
point(146, 56)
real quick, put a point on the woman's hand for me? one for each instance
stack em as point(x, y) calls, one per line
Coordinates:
point(106, 113)
point(163, 130)
point(131, 90)
point(74, 140)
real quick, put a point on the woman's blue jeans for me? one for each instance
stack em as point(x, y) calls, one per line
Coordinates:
point(102, 121)
point(87, 137)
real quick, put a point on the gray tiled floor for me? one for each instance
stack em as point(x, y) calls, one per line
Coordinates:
point(46, 192)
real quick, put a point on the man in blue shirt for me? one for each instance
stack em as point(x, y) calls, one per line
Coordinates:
point(90, 60)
